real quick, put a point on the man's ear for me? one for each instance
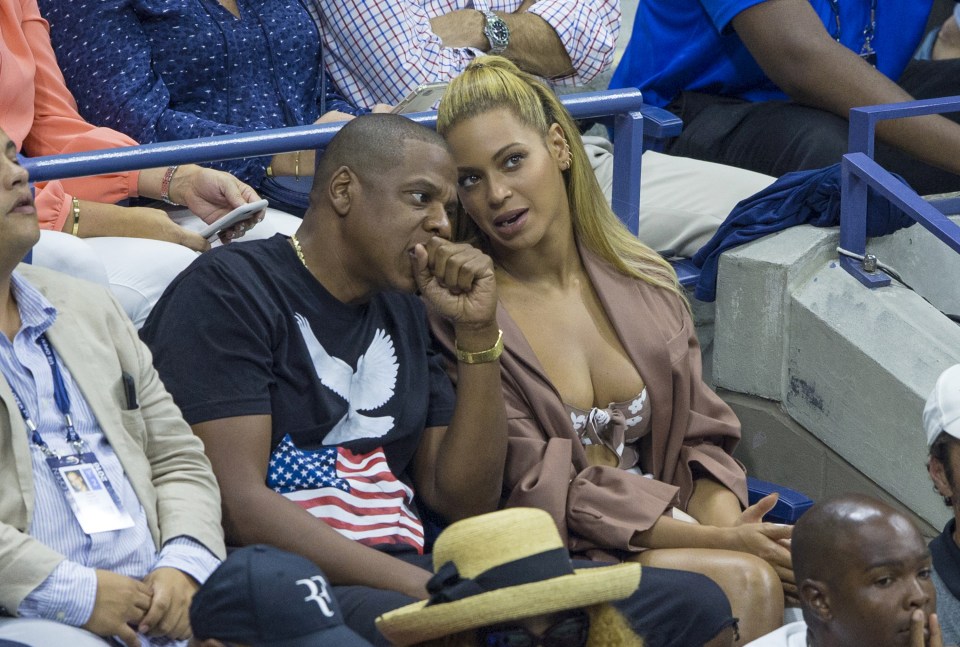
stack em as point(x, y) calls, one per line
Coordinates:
point(939, 477)
point(815, 598)
point(341, 190)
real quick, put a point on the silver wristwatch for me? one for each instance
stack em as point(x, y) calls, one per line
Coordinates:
point(496, 32)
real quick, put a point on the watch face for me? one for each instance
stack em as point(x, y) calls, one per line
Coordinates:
point(497, 33)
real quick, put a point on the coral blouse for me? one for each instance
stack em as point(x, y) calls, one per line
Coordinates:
point(39, 114)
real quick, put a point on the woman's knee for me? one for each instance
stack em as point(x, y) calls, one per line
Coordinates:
point(759, 574)
point(754, 576)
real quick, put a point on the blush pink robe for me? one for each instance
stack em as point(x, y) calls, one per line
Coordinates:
point(599, 509)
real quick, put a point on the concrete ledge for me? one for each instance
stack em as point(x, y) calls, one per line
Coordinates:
point(848, 367)
point(769, 435)
point(929, 266)
point(860, 365)
point(752, 308)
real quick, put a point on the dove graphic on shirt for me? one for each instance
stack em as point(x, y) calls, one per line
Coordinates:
point(369, 387)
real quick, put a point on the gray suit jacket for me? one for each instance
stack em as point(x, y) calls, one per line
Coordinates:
point(160, 455)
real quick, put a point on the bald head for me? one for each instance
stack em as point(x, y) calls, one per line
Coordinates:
point(370, 145)
point(834, 526)
point(862, 570)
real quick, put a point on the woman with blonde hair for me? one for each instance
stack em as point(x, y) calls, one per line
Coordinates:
point(612, 429)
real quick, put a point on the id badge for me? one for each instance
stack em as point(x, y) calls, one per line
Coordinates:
point(89, 493)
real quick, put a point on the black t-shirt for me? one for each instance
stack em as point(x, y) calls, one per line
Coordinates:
point(247, 330)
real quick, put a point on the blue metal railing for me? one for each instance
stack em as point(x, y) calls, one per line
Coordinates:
point(619, 110)
point(859, 173)
point(634, 128)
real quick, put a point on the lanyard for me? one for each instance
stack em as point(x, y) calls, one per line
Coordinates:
point(866, 52)
point(62, 399)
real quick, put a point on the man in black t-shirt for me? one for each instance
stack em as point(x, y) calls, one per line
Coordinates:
point(305, 366)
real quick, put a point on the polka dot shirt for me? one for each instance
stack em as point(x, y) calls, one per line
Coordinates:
point(160, 70)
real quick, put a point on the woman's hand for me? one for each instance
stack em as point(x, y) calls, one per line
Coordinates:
point(210, 194)
point(207, 193)
point(768, 541)
point(98, 219)
point(156, 224)
point(302, 163)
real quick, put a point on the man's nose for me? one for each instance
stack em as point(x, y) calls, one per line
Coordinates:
point(438, 222)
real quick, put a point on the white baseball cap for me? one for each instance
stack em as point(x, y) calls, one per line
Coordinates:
point(942, 412)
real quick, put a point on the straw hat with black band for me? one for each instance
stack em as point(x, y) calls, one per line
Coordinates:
point(499, 567)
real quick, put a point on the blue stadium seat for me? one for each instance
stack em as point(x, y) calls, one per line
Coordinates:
point(790, 506)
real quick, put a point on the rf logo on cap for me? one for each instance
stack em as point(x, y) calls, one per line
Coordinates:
point(318, 593)
point(255, 598)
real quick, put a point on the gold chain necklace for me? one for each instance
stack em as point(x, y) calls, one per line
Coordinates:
point(298, 250)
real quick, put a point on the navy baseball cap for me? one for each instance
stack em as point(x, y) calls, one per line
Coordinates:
point(266, 597)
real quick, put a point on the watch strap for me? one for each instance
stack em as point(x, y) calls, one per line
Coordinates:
point(496, 31)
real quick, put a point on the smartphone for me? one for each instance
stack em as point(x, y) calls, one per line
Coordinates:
point(240, 213)
point(422, 99)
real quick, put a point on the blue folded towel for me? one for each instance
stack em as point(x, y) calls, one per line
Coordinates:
point(801, 197)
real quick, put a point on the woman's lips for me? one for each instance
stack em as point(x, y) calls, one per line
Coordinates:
point(511, 221)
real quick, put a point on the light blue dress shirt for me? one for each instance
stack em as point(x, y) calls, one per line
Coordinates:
point(68, 594)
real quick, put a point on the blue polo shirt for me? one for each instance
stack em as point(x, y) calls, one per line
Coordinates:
point(690, 45)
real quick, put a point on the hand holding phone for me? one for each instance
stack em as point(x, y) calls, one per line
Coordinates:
point(243, 212)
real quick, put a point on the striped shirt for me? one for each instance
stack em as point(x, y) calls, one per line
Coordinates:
point(68, 594)
point(378, 52)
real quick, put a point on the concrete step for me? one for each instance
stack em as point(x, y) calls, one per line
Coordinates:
point(848, 367)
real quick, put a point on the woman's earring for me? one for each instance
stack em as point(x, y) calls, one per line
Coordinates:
point(565, 164)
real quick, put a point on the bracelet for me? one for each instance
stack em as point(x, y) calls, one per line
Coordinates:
point(165, 185)
point(76, 216)
point(482, 356)
point(296, 167)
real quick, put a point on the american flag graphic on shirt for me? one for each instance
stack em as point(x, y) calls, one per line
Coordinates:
point(356, 494)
